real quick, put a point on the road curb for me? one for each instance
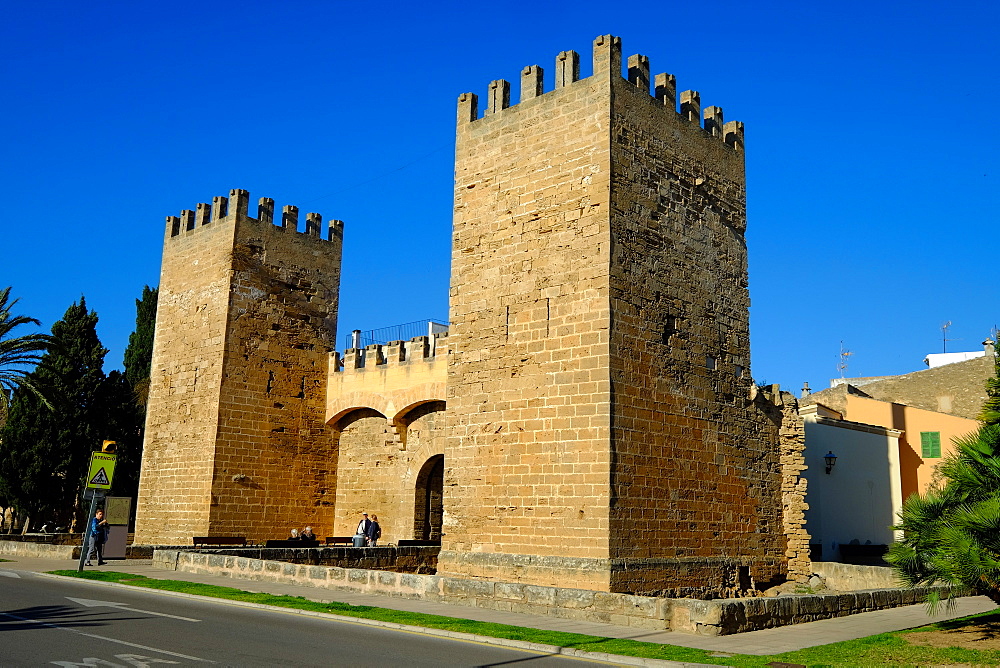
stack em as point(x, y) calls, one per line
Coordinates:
point(440, 633)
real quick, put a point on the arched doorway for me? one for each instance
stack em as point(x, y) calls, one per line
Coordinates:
point(428, 500)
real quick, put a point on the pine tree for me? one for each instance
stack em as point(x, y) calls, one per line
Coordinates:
point(43, 454)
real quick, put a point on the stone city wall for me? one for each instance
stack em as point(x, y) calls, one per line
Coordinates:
point(685, 615)
point(527, 454)
point(236, 441)
point(385, 404)
point(600, 418)
point(391, 558)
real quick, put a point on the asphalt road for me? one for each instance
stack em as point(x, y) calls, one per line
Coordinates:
point(48, 621)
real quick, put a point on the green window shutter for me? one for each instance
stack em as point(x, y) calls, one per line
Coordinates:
point(930, 444)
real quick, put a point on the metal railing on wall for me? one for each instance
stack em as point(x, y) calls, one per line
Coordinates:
point(404, 332)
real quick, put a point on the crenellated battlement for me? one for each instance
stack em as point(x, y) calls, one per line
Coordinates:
point(237, 205)
point(607, 62)
point(395, 353)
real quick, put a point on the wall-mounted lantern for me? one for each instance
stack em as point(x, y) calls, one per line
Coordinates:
point(831, 460)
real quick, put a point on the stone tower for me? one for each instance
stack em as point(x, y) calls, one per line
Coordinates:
point(602, 432)
point(236, 442)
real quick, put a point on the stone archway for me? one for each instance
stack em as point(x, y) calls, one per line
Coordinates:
point(428, 499)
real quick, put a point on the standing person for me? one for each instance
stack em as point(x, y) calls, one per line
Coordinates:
point(374, 531)
point(364, 525)
point(97, 533)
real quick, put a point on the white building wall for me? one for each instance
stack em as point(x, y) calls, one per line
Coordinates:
point(861, 497)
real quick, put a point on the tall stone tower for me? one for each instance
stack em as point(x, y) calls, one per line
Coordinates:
point(602, 432)
point(236, 442)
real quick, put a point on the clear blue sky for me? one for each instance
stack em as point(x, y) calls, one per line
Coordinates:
point(871, 149)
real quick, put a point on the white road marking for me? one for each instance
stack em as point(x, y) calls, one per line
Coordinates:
point(86, 602)
point(135, 660)
point(9, 574)
point(104, 638)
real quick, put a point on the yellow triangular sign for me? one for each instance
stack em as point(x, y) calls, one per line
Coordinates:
point(100, 478)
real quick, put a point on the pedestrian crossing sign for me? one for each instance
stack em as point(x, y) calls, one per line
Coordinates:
point(102, 470)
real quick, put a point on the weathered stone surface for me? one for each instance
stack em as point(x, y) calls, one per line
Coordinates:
point(705, 617)
point(462, 588)
point(236, 437)
point(599, 345)
point(587, 422)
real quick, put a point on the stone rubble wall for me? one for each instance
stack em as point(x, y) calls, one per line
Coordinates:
point(685, 615)
point(792, 444)
point(729, 616)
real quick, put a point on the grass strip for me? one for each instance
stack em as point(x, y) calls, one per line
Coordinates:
point(886, 649)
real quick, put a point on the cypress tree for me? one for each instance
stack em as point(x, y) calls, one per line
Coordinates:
point(139, 354)
point(43, 453)
point(126, 393)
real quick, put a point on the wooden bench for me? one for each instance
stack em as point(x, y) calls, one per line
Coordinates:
point(406, 542)
point(200, 541)
point(340, 540)
point(292, 543)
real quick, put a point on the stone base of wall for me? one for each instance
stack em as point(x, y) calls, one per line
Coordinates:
point(531, 569)
point(849, 577)
point(17, 548)
point(622, 609)
point(384, 558)
point(728, 616)
point(688, 577)
point(65, 549)
point(700, 577)
point(714, 617)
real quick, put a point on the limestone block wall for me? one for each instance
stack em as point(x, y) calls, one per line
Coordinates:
point(527, 455)
point(175, 487)
point(601, 426)
point(684, 615)
point(697, 465)
point(386, 407)
point(236, 432)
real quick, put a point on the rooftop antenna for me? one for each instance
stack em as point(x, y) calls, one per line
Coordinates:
point(844, 354)
point(944, 336)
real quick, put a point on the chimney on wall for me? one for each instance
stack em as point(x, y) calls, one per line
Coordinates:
point(988, 346)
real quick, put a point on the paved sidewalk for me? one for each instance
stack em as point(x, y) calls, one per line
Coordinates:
point(769, 641)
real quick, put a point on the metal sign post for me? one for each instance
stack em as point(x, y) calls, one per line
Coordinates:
point(99, 476)
point(86, 529)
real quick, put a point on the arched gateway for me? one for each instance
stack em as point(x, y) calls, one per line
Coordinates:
point(428, 507)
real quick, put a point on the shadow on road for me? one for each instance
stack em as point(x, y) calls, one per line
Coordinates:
point(47, 616)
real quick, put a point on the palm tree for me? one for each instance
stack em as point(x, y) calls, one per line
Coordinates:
point(951, 535)
point(18, 353)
